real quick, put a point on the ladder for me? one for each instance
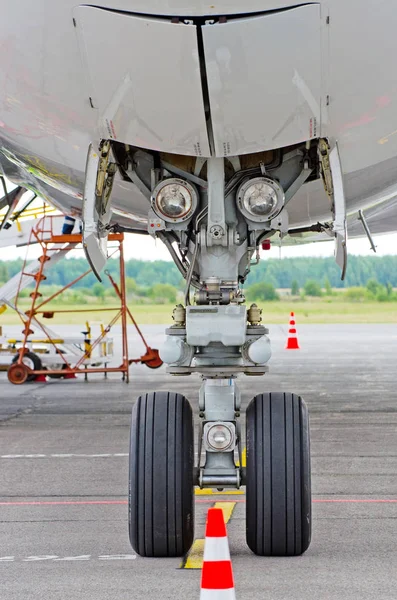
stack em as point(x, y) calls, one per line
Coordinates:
point(45, 233)
point(25, 277)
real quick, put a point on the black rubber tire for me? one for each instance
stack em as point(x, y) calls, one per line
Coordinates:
point(161, 492)
point(55, 375)
point(57, 367)
point(35, 363)
point(278, 480)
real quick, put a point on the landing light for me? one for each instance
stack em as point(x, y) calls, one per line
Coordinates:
point(219, 437)
point(260, 199)
point(174, 200)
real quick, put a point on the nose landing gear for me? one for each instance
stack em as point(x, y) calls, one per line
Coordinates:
point(219, 338)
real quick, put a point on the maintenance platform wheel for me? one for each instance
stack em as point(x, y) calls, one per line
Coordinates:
point(278, 518)
point(18, 373)
point(161, 492)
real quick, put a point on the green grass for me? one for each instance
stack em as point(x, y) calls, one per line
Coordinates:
point(143, 314)
point(324, 310)
point(321, 311)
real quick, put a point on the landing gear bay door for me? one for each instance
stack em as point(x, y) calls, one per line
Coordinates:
point(143, 79)
point(99, 176)
point(264, 79)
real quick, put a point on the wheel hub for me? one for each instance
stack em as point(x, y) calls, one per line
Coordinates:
point(18, 373)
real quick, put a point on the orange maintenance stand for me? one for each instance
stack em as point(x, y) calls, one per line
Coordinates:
point(23, 368)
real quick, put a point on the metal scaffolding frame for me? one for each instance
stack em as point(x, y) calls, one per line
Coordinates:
point(51, 243)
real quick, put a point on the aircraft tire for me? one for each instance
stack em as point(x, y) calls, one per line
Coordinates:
point(161, 492)
point(278, 480)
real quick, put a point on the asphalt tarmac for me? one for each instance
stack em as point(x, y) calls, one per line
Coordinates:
point(63, 480)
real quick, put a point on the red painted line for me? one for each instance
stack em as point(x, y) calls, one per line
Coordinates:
point(63, 502)
point(356, 501)
point(328, 501)
point(198, 501)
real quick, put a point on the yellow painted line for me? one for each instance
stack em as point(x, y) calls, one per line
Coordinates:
point(194, 559)
point(227, 507)
point(209, 492)
point(243, 458)
point(38, 341)
point(385, 139)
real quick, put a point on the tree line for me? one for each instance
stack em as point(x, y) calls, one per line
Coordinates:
point(280, 273)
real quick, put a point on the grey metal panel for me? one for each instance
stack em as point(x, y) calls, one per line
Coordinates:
point(381, 218)
point(146, 82)
point(264, 80)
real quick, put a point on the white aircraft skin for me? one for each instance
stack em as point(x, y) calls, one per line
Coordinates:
point(67, 72)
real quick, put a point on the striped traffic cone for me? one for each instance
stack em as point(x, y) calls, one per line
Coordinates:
point(292, 341)
point(217, 575)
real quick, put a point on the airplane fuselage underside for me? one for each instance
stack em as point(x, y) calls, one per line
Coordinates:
point(175, 78)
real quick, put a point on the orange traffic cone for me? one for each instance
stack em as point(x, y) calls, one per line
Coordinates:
point(292, 341)
point(217, 575)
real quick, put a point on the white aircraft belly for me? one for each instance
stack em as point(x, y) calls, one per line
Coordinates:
point(145, 80)
point(362, 81)
point(264, 92)
point(46, 121)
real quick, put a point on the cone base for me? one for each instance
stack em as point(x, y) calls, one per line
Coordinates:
point(292, 344)
point(218, 594)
